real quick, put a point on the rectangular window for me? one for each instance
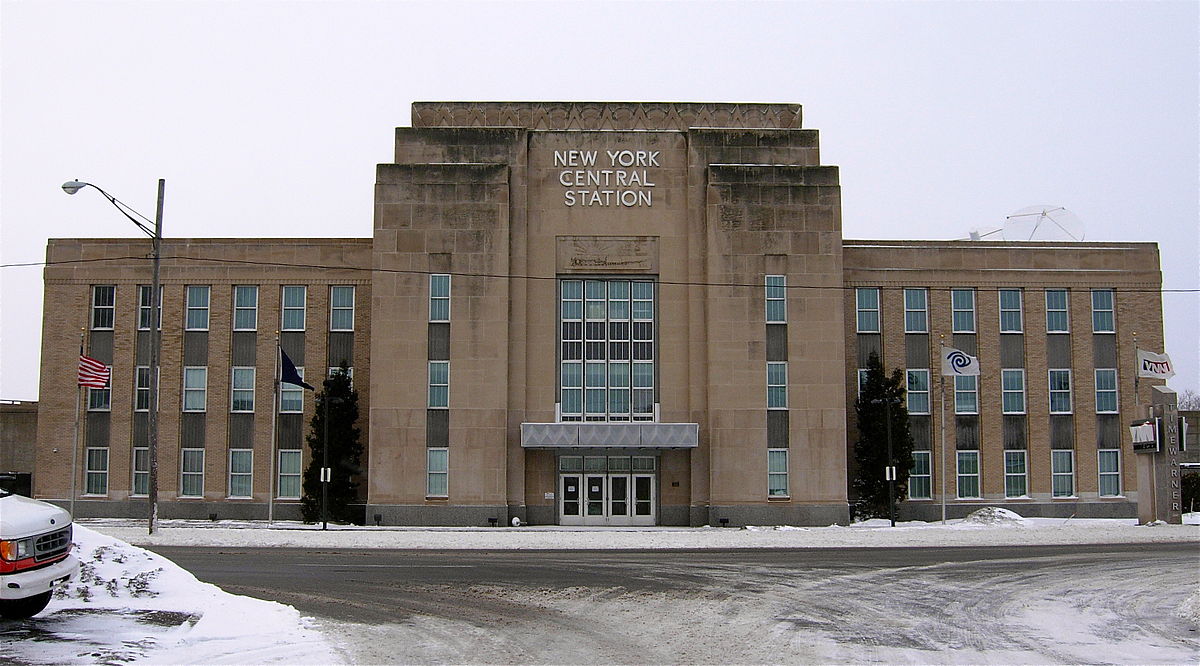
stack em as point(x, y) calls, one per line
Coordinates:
point(437, 482)
point(1057, 320)
point(439, 384)
point(1016, 474)
point(962, 305)
point(1011, 320)
point(920, 480)
point(191, 482)
point(867, 303)
point(294, 299)
point(776, 299)
point(1110, 472)
point(777, 385)
point(104, 307)
point(141, 388)
point(291, 397)
point(146, 304)
point(606, 333)
point(196, 318)
point(777, 472)
point(245, 308)
point(195, 389)
point(100, 400)
point(96, 474)
point(1106, 391)
point(241, 472)
point(918, 391)
point(966, 394)
point(439, 298)
point(289, 474)
point(1102, 311)
point(141, 470)
point(341, 308)
point(242, 390)
point(968, 474)
point(1060, 391)
point(916, 311)
point(1062, 472)
point(862, 380)
point(1012, 388)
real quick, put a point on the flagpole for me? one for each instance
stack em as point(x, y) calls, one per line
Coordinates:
point(1137, 372)
point(75, 436)
point(274, 421)
point(942, 421)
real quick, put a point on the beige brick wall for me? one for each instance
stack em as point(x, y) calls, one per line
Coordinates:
point(186, 262)
point(1132, 269)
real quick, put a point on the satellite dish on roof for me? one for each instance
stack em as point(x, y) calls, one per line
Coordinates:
point(1043, 223)
point(1036, 223)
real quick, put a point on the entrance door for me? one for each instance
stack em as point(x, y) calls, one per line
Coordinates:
point(643, 500)
point(594, 487)
point(606, 499)
point(612, 490)
point(618, 497)
point(569, 490)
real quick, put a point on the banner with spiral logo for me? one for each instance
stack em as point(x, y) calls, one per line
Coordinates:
point(958, 363)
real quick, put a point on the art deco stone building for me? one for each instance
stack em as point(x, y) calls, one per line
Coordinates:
point(600, 313)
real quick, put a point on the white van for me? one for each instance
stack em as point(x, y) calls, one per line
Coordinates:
point(35, 554)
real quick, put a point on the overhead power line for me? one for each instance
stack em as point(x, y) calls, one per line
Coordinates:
point(516, 276)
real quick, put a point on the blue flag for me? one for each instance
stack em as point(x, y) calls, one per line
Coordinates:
point(289, 374)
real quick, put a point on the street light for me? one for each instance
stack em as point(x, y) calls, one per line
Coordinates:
point(73, 186)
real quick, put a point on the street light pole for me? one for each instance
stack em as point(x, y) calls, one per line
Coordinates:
point(155, 349)
point(73, 186)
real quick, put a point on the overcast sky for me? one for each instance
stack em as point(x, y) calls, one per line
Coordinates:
point(268, 118)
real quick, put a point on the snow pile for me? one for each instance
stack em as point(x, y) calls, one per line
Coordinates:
point(191, 621)
point(1190, 608)
point(994, 516)
point(115, 574)
point(775, 528)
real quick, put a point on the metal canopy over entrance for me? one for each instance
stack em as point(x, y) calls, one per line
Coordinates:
point(633, 435)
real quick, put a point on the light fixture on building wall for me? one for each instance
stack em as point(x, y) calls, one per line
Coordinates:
point(155, 234)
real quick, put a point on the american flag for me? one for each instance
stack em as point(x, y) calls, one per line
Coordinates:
point(92, 373)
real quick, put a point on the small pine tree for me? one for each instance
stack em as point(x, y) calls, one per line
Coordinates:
point(870, 449)
point(345, 451)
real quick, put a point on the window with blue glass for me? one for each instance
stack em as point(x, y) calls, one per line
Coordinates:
point(606, 336)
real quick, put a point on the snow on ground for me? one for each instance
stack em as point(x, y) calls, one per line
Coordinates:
point(131, 605)
point(987, 527)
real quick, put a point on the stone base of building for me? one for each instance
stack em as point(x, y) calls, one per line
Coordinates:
point(435, 515)
point(181, 510)
point(810, 515)
point(933, 512)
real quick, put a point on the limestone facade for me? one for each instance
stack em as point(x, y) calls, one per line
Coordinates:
point(649, 315)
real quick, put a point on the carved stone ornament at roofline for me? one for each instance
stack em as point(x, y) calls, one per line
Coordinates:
point(605, 115)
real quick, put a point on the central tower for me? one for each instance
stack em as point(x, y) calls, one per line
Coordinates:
point(607, 313)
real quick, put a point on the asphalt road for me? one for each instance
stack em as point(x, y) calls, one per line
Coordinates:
point(381, 586)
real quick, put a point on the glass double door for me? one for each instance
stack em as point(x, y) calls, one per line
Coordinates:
point(606, 499)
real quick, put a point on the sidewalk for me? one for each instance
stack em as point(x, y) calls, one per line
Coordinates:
point(994, 530)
